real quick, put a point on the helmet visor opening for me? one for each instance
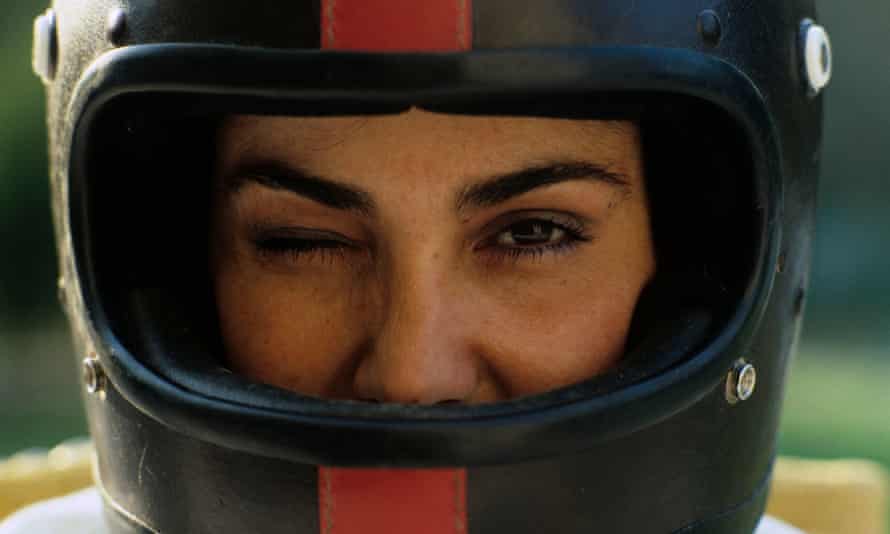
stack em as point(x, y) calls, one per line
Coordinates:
point(149, 227)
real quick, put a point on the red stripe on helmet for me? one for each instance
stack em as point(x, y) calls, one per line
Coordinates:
point(392, 501)
point(397, 25)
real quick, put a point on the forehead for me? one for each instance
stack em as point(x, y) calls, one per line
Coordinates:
point(431, 134)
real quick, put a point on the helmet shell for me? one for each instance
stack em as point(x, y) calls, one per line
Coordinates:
point(177, 437)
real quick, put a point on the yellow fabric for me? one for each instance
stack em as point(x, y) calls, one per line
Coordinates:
point(830, 497)
point(816, 496)
point(30, 477)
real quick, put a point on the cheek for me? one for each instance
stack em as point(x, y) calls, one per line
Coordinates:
point(291, 333)
point(551, 331)
point(542, 342)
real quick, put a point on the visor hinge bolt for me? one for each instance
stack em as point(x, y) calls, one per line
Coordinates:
point(709, 27)
point(46, 46)
point(93, 375)
point(116, 26)
point(740, 382)
point(817, 59)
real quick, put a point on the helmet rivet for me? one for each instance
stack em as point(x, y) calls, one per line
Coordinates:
point(61, 293)
point(817, 56)
point(709, 27)
point(46, 46)
point(780, 263)
point(740, 382)
point(93, 375)
point(116, 26)
point(799, 300)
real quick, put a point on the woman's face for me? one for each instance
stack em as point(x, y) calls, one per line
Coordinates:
point(426, 258)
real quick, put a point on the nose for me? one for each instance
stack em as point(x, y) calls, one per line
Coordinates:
point(421, 352)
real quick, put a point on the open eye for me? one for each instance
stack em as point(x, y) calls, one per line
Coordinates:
point(535, 233)
point(532, 232)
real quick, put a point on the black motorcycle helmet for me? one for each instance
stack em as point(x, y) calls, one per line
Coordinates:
point(676, 439)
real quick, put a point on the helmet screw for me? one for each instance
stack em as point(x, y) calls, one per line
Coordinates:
point(780, 263)
point(817, 56)
point(93, 375)
point(116, 26)
point(61, 293)
point(740, 382)
point(709, 27)
point(46, 46)
point(799, 300)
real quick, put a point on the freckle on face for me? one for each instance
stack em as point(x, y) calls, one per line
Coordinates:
point(419, 305)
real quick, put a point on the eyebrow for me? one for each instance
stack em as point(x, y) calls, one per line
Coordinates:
point(501, 188)
point(494, 190)
point(322, 190)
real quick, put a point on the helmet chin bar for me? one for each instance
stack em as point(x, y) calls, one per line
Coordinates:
point(179, 484)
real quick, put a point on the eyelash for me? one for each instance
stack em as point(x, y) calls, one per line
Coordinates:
point(574, 233)
point(296, 247)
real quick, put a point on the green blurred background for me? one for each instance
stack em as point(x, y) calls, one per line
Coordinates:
point(838, 399)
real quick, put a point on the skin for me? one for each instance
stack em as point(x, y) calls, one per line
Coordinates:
point(424, 286)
